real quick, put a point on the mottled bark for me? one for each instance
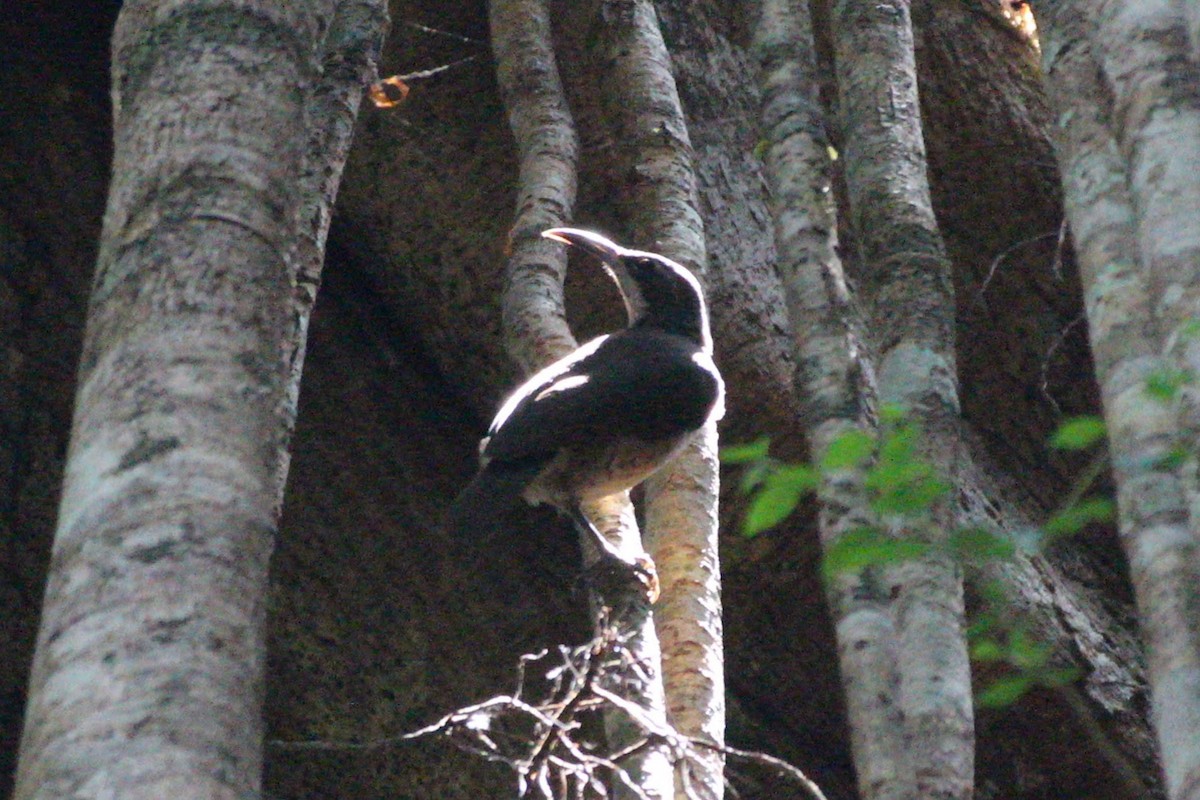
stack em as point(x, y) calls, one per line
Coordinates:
point(379, 622)
point(535, 318)
point(661, 209)
point(147, 678)
point(1191, 15)
point(834, 376)
point(910, 294)
point(1142, 48)
point(1120, 231)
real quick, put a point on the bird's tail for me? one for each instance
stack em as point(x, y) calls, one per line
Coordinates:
point(479, 509)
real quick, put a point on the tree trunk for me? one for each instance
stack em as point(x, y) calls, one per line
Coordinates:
point(379, 623)
point(153, 624)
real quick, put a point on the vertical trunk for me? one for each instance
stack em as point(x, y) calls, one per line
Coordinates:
point(1133, 200)
point(909, 290)
point(147, 679)
point(833, 375)
point(348, 64)
point(536, 332)
point(662, 212)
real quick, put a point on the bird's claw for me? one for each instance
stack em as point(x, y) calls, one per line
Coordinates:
point(611, 575)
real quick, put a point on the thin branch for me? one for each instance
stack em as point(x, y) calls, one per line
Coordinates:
point(1008, 251)
point(547, 752)
point(437, 32)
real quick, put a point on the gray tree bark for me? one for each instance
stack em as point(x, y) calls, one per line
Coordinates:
point(662, 211)
point(379, 623)
point(834, 374)
point(909, 291)
point(536, 332)
point(1133, 199)
point(148, 672)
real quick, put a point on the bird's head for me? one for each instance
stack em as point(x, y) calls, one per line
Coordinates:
point(657, 291)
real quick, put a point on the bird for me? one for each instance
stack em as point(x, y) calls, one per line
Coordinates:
point(610, 414)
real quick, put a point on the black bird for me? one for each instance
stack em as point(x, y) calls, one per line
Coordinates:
point(604, 418)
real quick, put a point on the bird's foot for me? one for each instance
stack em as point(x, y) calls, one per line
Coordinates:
point(612, 570)
point(612, 575)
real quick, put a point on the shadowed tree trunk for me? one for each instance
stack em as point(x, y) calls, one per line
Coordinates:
point(148, 673)
point(379, 623)
point(1133, 197)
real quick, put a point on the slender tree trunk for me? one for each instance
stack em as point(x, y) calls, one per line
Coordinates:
point(833, 374)
point(1133, 199)
point(662, 211)
point(348, 64)
point(536, 331)
point(1191, 13)
point(909, 290)
point(147, 679)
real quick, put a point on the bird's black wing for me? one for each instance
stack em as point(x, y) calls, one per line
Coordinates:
point(644, 384)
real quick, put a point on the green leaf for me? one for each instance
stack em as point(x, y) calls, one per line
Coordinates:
point(804, 477)
point(1078, 433)
point(980, 544)
point(898, 445)
point(987, 650)
point(892, 413)
point(782, 488)
point(770, 506)
point(911, 496)
point(1164, 384)
point(1026, 652)
point(748, 451)
point(994, 592)
point(984, 623)
point(848, 450)
point(1190, 330)
point(1077, 517)
point(1172, 459)
point(867, 547)
point(760, 149)
point(1004, 691)
point(887, 476)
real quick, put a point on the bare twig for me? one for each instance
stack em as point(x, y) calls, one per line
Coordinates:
point(448, 34)
point(547, 753)
point(1055, 344)
point(1008, 251)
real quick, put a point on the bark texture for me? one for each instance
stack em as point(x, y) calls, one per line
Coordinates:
point(834, 375)
point(348, 62)
point(1108, 159)
point(536, 329)
point(378, 622)
point(148, 673)
point(535, 317)
point(910, 293)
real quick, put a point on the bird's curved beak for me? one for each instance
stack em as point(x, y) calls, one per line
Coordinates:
point(607, 251)
point(611, 257)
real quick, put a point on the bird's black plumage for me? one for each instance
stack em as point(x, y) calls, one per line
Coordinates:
point(605, 417)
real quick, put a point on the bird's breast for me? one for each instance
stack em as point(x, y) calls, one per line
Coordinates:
point(589, 473)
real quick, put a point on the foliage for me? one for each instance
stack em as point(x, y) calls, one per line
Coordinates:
point(885, 467)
